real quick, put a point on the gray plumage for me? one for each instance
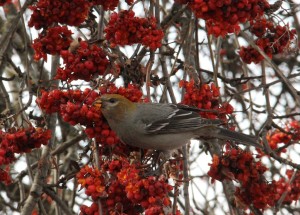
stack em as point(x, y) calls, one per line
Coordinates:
point(163, 126)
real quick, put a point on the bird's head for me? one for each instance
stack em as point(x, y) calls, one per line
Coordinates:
point(114, 106)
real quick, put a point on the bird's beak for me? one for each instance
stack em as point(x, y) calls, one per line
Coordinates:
point(97, 103)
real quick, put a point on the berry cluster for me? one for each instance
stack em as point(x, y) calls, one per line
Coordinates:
point(261, 194)
point(75, 107)
point(239, 165)
point(4, 175)
point(77, 112)
point(236, 164)
point(290, 136)
point(52, 41)
point(270, 38)
point(126, 29)
point(294, 188)
point(151, 193)
point(19, 141)
point(107, 5)
point(221, 29)
point(91, 210)
point(93, 181)
point(117, 198)
point(24, 140)
point(131, 92)
point(7, 155)
point(158, 210)
point(85, 62)
point(205, 97)
point(224, 16)
point(124, 188)
point(50, 101)
point(254, 190)
point(49, 12)
point(249, 55)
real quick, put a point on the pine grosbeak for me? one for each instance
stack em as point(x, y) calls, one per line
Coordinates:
point(162, 126)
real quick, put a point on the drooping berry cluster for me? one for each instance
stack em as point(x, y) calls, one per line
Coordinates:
point(272, 39)
point(205, 97)
point(19, 141)
point(83, 63)
point(126, 29)
point(75, 107)
point(125, 188)
point(52, 41)
point(224, 16)
point(48, 12)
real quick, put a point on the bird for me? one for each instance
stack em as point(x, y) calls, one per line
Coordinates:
point(162, 126)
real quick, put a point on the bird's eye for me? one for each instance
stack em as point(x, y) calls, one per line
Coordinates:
point(112, 100)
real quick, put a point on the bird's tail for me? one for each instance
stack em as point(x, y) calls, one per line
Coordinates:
point(245, 139)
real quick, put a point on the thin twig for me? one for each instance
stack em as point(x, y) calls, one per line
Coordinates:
point(148, 74)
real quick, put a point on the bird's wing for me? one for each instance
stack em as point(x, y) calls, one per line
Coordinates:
point(179, 119)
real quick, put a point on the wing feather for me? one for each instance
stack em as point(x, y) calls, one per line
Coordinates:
point(179, 120)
